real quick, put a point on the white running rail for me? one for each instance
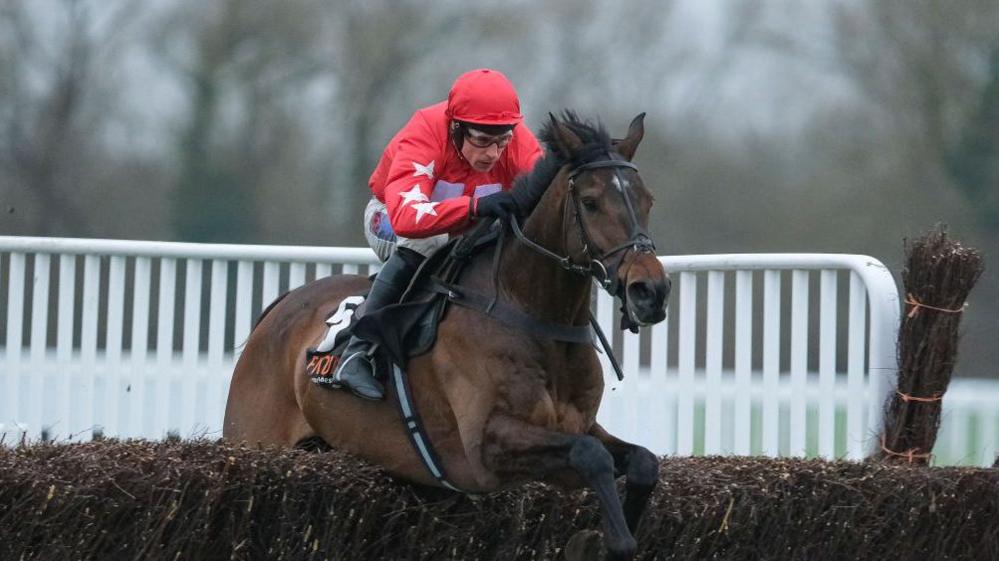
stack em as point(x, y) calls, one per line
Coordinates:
point(115, 347)
point(138, 339)
point(740, 380)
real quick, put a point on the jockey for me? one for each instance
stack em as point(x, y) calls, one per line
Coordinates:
point(452, 163)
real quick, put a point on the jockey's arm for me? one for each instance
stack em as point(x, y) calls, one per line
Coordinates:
point(410, 183)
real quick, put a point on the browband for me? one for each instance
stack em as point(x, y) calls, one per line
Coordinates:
point(602, 164)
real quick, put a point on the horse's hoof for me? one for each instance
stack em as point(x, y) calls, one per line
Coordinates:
point(624, 550)
point(584, 545)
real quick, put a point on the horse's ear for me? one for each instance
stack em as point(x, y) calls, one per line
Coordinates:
point(636, 130)
point(566, 141)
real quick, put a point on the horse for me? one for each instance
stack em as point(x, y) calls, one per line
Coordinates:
point(501, 406)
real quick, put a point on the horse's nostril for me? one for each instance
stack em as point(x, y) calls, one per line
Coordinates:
point(667, 287)
point(641, 292)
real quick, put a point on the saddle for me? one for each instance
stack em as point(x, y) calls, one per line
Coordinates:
point(407, 328)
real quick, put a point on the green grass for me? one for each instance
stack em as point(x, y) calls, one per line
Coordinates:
point(944, 454)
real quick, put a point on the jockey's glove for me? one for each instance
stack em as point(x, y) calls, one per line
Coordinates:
point(498, 205)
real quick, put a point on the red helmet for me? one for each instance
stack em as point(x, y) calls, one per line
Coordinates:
point(484, 97)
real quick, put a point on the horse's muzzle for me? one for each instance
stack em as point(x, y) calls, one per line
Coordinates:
point(648, 298)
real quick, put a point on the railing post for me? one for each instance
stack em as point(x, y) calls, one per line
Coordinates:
point(883, 359)
point(15, 338)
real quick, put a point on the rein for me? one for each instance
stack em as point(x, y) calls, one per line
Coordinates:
point(638, 241)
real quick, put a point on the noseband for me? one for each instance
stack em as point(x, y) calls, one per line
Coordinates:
point(597, 268)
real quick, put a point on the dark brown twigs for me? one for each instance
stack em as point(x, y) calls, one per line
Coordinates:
point(938, 277)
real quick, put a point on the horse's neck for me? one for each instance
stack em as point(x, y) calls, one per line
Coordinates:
point(538, 283)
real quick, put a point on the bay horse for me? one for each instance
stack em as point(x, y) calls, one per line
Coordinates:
point(500, 406)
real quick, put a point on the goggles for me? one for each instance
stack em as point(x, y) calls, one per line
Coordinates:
point(481, 140)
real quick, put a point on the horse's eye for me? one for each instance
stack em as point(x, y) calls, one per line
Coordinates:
point(589, 204)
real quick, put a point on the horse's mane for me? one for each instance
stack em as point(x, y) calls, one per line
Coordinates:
point(596, 145)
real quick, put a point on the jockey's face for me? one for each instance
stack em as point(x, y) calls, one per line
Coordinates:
point(482, 150)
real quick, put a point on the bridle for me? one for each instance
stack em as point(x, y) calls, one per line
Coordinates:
point(597, 267)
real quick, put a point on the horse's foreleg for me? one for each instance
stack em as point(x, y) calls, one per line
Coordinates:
point(514, 449)
point(640, 468)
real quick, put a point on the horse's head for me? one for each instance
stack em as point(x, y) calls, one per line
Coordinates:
point(606, 216)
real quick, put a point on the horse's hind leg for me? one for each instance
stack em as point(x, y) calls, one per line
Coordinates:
point(640, 468)
point(514, 449)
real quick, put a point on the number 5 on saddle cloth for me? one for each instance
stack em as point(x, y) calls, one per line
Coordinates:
point(407, 329)
point(321, 361)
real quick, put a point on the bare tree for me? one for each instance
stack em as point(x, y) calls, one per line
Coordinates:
point(244, 68)
point(52, 100)
point(924, 65)
point(378, 46)
point(973, 162)
point(928, 71)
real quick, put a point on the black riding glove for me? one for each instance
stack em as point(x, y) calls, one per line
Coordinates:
point(498, 205)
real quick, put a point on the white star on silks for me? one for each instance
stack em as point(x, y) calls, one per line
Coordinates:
point(413, 194)
point(427, 170)
point(424, 208)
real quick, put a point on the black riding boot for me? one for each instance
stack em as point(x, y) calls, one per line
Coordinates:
point(356, 369)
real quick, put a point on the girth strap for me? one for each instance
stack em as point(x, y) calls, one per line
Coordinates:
point(417, 433)
point(511, 315)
